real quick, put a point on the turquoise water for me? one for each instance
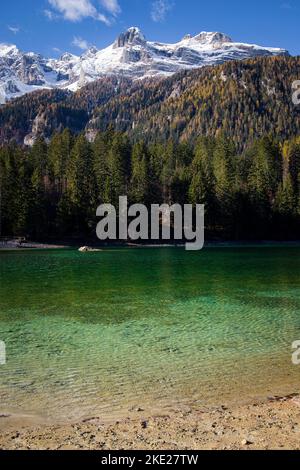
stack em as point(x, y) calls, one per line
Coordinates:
point(99, 333)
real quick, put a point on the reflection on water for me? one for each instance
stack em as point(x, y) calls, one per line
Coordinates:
point(102, 332)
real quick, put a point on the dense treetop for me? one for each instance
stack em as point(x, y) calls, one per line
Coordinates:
point(54, 189)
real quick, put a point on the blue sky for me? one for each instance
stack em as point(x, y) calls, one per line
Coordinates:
point(54, 26)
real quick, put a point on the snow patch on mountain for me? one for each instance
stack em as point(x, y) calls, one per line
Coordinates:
point(131, 55)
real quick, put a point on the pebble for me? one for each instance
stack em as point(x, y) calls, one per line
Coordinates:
point(136, 409)
point(245, 442)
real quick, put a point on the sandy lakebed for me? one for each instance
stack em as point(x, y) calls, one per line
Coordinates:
point(273, 424)
point(150, 349)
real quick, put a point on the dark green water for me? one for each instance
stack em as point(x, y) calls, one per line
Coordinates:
point(102, 332)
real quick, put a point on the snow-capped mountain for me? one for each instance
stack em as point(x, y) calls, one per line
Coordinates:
point(131, 55)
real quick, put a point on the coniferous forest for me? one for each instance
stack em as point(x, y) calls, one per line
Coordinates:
point(224, 136)
point(243, 99)
point(52, 190)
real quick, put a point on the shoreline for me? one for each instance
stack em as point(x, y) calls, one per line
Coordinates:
point(270, 424)
point(13, 246)
point(30, 245)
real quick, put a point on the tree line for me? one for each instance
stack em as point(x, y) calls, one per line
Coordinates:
point(52, 190)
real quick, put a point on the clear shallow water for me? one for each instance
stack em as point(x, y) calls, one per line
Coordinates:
point(98, 333)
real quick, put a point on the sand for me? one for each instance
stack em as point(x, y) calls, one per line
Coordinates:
point(273, 424)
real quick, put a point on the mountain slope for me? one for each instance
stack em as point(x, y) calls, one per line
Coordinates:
point(243, 99)
point(131, 55)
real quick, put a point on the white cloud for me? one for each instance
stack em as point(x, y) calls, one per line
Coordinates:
point(112, 6)
point(160, 9)
point(13, 29)
point(80, 43)
point(77, 10)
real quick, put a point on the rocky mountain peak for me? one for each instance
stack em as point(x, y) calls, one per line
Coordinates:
point(66, 57)
point(131, 56)
point(211, 38)
point(132, 36)
point(91, 52)
point(6, 49)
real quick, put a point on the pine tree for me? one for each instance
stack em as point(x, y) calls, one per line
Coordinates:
point(59, 151)
point(266, 174)
point(16, 195)
point(40, 184)
point(119, 168)
point(81, 182)
point(286, 201)
point(139, 182)
point(294, 163)
point(101, 148)
point(224, 169)
point(202, 187)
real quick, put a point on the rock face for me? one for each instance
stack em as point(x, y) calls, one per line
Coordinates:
point(131, 55)
point(132, 37)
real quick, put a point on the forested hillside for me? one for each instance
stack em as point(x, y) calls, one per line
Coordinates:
point(53, 190)
point(245, 100)
point(226, 136)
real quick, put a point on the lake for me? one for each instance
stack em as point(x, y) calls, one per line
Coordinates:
point(101, 333)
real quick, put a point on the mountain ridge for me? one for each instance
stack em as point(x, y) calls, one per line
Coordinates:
point(243, 99)
point(130, 55)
